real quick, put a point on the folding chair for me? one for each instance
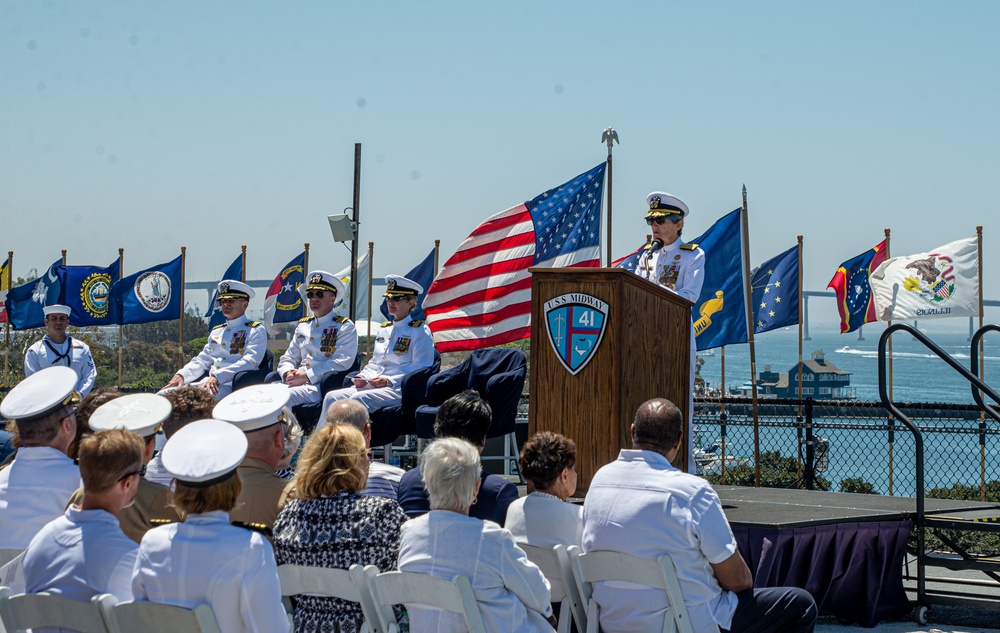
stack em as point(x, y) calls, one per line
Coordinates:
point(396, 587)
point(345, 584)
point(42, 610)
point(555, 566)
point(615, 566)
point(153, 617)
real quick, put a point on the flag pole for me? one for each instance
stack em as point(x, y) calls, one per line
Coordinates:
point(356, 204)
point(745, 234)
point(180, 341)
point(6, 351)
point(892, 423)
point(371, 255)
point(982, 366)
point(305, 262)
point(437, 254)
point(610, 137)
point(64, 257)
point(121, 328)
point(799, 366)
point(243, 263)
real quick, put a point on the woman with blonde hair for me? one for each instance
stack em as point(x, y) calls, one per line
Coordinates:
point(327, 522)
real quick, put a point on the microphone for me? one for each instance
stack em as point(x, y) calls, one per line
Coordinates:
point(655, 245)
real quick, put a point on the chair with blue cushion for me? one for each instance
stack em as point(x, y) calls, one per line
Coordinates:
point(254, 376)
point(308, 414)
point(497, 374)
point(390, 422)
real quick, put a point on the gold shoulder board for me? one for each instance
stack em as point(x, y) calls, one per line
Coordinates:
point(688, 247)
point(387, 324)
point(416, 322)
point(340, 319)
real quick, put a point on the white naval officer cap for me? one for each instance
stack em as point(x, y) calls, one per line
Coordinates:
point(141, 413)
point(663, 203)
point(41, 393)
point(254, 407)
point(56, 308)
point(397, 285)
point(204, 453)
point(232, 289)
point(322, 280)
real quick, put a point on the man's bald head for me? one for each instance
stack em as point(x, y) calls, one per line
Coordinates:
point(348, 412)
point(658, 426)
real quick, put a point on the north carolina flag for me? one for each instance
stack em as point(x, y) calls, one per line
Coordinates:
point(482, 296)
point(283, 303)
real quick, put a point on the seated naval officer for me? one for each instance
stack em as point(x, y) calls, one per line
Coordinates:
point(59, 348)
point(679, 267)
point(234, 346)
point(322, 343)
point(257, 411)
point(142, 414)
point(84, 552)
point(402, 345)
point(35, 487)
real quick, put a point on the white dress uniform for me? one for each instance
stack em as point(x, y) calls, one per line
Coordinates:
point(400, 348)
point(319, 346)
point(234, 346)
point(680, 268)
point(79, 555)
point(71, 353)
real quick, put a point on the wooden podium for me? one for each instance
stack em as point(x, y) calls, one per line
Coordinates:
point(638, 348)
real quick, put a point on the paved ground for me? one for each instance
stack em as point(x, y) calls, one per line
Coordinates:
point(943, 620)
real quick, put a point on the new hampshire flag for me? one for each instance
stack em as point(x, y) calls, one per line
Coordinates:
point(719, 315)
point(149, 295)
point(87, 291)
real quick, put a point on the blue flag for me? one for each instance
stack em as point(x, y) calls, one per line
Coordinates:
point(283, 301)
point(775, 288)
point(235, 271)
point(149, 295)
point(423, 274)
point(25, 302)
point(87, 291)
point(719, 314)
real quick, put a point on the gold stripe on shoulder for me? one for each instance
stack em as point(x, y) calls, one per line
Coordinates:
point(416, 322)
point(387, 324)
point(688, 247)
point(306, 319)
point(340, 319)
point(223, 324)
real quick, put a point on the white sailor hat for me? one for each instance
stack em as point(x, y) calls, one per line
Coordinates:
point(232, 289)
point(397, 285)
point(662, 203)
point(322, 280)
point(141, 413)
point(253, 407)
point(204, 453)
point(56, 309)
point(41, 393)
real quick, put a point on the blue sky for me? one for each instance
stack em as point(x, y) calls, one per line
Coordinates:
point(152, 125)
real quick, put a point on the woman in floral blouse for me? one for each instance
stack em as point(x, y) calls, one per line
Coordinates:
point(328, 523)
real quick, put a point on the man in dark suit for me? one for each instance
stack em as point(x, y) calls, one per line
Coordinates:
point(465, 416)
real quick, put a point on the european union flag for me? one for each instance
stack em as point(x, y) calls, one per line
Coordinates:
point(149, 295)
point(854, 293)
point(775, 288)
point(25, 302)
point(87, 291)
point(719, 315)
point(235, 271)
point(423, 274)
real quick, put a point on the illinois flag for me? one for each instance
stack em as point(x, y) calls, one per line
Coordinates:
point(941, 283)
point(854, 294)
point(149, 295)
point(719, 316)
point(87, 292)
point(775, 291)
point(283, 302)
point(482, 295)
point(4, 286)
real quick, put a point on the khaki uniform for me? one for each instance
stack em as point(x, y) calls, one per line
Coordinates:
point(258, 503)
point(150, 509)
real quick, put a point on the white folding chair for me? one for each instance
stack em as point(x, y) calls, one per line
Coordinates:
point(153, 617)
point(345, 584)
point(396, 587)
point(614, 566)
point(555, 566)
point(42, 610)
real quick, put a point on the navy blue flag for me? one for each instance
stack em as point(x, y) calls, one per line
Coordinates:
point(719, 314)
point(235, 271)
point(87, 291)
point(149, 295)
point(283, 301)
point(775, 288)
point(25, 302)
point(423, 274)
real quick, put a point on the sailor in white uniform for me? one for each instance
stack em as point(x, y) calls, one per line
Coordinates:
point(234, 346)
point(678, 267)
point(37, 485)
point(321, 344)
point(59, 348)
point(205, 560)
point(402, 345)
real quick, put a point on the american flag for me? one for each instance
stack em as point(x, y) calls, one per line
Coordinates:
point(482, 296)
point(630, 261)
